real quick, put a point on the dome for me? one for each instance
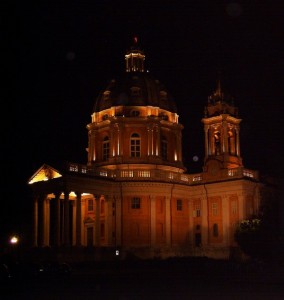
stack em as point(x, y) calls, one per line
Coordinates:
point(135, 89)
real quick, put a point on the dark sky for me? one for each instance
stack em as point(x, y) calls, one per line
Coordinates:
point(63, 53)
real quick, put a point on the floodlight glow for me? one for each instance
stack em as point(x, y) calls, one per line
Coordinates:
point(14, 240)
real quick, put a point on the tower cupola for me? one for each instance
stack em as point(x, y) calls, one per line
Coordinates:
point(135, 58)
point(221, 132)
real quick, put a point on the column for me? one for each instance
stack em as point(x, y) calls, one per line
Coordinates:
point(43, 220)
point(83, 232)
point(115, 133)
point(204, 220)
point(152, 220)
point(211, 142)
point(47, 222)
point(238, 141)
point(93, 143)
point(179, 147)
point(225, 148)
point(168, 221)
point(226, 219)
point(90, 148)
point(78, 219)
point(74, 214)
point(156, 140)
point(190, 222)
point(35, 223)
point(57, 220)
point(97, 221)
point(120, 139)
point(206, 140)
point(108, 220)
point(241, 206)
point(118, 221)
point(149, 140)
point(66, 237)
point(112, 142)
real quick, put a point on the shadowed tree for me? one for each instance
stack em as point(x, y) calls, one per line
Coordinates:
point(261, 237)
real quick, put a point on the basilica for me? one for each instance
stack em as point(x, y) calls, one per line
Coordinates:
point(134, 195)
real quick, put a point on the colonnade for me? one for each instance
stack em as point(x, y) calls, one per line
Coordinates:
point(65, 223)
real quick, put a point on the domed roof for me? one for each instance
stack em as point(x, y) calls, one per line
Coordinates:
point(135, 87)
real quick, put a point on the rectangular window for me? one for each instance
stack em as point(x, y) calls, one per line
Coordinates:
point(184, 178)
point(197, 178)
point(103, 173)
point(196, 209)
point(73, 168)
point(198, 239)
point(90, 204)
point(179, 204)
point(135, 203)
point(214, 209)
point(135, 148)
point(164, 148)
point(234, 207)
point(105, 150)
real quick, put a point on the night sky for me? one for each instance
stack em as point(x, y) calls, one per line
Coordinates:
point(62, 54)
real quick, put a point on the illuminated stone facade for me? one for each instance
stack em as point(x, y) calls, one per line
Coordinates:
point(133, 193)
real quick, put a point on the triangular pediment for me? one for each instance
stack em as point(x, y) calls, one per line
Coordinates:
point(89, 220)
point(44, 173)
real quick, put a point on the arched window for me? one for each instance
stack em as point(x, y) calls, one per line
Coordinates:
point(163, 95)
point(231, 143)
point(217, 142)
point(164, 148)
point(135, 145)
point(105, 148)
point(106, 95)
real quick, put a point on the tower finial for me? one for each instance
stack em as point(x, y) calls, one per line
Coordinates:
point(219, 86)
point(218, 91)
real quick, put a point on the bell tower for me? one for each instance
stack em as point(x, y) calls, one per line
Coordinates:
point(221, 132)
